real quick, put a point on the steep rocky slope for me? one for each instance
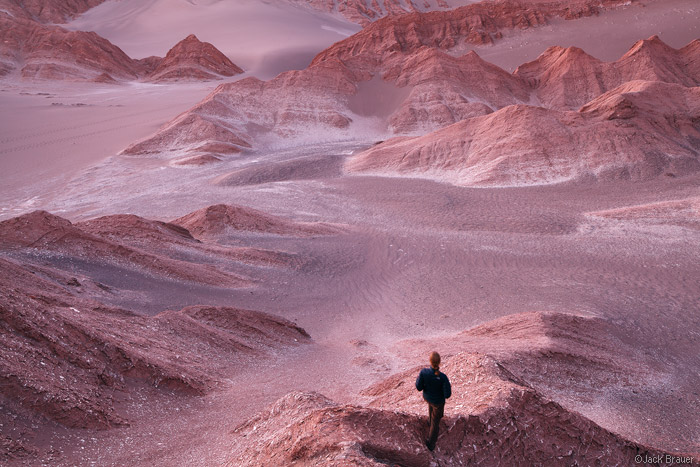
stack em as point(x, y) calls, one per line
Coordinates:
point(362, 12)
point(478, 23)
point(364, 95)
point(51, 52)
point(33, 50)
point(639, 130)
point(48, 11)
point(45, 235)
point(567, 78)
point(191, 59)
point(365, 12)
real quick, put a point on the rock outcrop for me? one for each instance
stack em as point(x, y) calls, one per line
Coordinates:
point(48, 11)
point(361, 12)
point(222, 219)
point(365, 12)
point(41, 233)
point(514, 382)
point(37, 51)
point(477, 23)
point(515, 423)
point(568, 78)
point(191, 59)
point(68, 345)
point(53, 53)
point(628, 133)
point(63, 356)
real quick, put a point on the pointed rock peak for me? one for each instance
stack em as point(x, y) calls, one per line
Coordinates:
point(193, 59)
point(555, 58)
point(654, 44)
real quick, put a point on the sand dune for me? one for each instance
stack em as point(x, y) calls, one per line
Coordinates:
point(681, 212)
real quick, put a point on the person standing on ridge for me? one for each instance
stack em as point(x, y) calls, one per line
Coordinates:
point(436, 388)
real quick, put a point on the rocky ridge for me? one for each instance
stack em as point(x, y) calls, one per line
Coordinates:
point(32, 50)
point(427, 90)
point(48, 11)
point(622, 134)
point(361, 12)
point(73, 355)
point(496, 415)
point(191, 59)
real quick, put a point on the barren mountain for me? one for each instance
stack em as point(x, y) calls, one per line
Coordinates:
point(568, 78)
point(48, 11)
point(191, 59)
point(40, 233)
point(351, 92)
point(53, 53)
point(49, 52)
point(478, 23)
point(362, 12)
point(624, 133)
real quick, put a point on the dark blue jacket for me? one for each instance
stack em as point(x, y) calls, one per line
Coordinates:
point(435, 388)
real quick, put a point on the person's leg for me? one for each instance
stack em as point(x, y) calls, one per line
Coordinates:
point(436, 412)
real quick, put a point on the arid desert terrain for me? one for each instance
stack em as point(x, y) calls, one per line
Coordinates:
point(231, 232)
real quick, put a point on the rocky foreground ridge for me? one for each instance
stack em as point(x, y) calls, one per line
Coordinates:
point(32, 48)
point(72, 351)
point(504, 407)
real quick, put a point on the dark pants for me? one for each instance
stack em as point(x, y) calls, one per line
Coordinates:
point(435, 413)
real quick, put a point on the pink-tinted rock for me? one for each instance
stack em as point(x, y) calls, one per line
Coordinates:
point(221, 219)
point(53, 53)
point(191, 59)
point(568, 78)
point(44, 232)
point(64, 356)
point(513, 422)
point(629, 132)
point(48, 11)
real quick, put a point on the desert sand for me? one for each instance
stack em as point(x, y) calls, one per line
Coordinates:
point(251, 270)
